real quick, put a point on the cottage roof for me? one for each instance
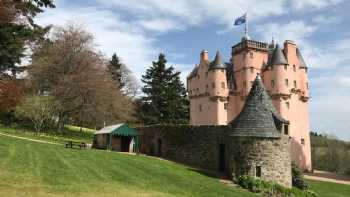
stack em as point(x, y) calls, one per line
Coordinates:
point(301, 59)
point(218, 63)
point(121, 129)
point(278, 57)
point(258, 117)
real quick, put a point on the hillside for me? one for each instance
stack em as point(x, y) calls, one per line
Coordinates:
point(330, 154)
point(35, 169)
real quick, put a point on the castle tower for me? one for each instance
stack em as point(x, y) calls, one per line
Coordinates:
point(284, 74)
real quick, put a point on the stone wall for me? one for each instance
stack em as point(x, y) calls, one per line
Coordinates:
point(201, 146)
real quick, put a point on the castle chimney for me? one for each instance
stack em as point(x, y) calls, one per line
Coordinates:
point(289, 50)
point(204, 56)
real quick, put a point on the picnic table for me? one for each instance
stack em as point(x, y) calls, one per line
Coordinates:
point(71, 144)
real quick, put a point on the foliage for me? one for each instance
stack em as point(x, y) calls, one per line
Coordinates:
point(17, 31)
point(68, 68)
point(51, 170)
point(122, 76)
point(267, 188)
point(39, 109)
point(164, 99)
point(330, 154)
point(298, 178)
point(10, 95)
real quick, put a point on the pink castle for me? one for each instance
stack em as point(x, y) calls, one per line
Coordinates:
point(218, 90)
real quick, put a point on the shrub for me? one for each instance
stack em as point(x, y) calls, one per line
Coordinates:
point(298, 178)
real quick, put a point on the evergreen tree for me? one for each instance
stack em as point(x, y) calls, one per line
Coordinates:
point(115, 68)
point(164, 99)
point(17, 30)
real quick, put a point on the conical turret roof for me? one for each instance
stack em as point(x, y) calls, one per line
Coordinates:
point(218, 63)
point(278, 57)
point(258, 117)
point(301, 59)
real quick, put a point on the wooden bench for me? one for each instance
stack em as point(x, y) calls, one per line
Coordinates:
point(71, 144)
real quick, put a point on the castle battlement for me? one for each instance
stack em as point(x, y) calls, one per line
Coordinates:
point(249, 45)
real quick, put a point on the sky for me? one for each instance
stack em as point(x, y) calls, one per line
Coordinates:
point(138, 30)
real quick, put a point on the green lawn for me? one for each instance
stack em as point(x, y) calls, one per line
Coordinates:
point(35, 169)
point(69, 133)
point(330, 189)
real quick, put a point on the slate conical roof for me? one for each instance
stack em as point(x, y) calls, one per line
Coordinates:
point(218, 63)
point(301, 59)
point(278, 57)
point(258, 117)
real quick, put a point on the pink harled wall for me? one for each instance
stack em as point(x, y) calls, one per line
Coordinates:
point(208, 92)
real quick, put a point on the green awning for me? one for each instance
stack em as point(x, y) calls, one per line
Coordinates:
point(118, 130)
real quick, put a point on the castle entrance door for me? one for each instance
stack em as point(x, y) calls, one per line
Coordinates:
point(222, 157)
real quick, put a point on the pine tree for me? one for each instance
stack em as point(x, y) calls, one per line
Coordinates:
point(115, 68)
point(165, 96)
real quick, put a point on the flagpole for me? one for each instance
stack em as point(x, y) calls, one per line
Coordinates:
point(246, 26)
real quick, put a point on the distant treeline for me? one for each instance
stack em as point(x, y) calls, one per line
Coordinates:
point(330, 154)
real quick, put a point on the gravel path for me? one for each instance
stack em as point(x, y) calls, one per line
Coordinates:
point(29, 139)
point(328, 177)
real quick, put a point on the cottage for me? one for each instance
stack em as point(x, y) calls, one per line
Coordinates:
point(119, 137)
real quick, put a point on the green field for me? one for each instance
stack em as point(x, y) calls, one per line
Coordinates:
point(35, 169)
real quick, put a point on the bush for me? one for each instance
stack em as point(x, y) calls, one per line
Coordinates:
point(298, 178)
point(267, 188)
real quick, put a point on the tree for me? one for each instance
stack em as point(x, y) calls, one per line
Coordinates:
point(122, 76)
point(69, 69)
point(40, 110)
point(10, 95)
point(18, 31)
point(165, 96)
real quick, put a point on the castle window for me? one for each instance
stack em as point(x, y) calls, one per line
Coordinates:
point(273, 83)
point(287, 105)
point(223, 85)
point(207, 87)
point(206, 74)
point(285, 67)
point(244, 84)
point(200, 107)
point(258, 171)
point(286, 130)
point(307, 85)
point(251, 70)
point(302, 141)
point(251, 54)
point(295, 84)
point(286, 82)
point(225, 106)
point(294, 68)
point(198, 76)
point(213, 84)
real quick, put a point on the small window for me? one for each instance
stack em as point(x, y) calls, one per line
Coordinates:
point(294, 68)
point(258, 171)
point(225, 106)
point(200, 107)
point(287, 105)
point(251, 54)
point(244, 84)
point(198, 76)
point(307, 86)
point(251, 70)
point(206, 74)
point(272, 83)
point(207, 87)
point(223, 85)
point(295, 84)
point(286, 129)
point(285, 67)
point(302, 141)
point(213, 84)
point(286, 82)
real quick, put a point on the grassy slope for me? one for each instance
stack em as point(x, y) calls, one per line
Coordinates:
point(35, 169)
point(69, 133)
point(330, 189)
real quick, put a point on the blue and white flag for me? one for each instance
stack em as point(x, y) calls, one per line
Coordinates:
point(241, 20)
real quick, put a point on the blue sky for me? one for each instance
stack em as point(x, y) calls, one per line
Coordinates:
point(138, 30)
